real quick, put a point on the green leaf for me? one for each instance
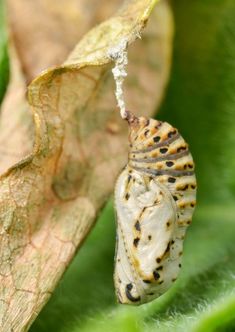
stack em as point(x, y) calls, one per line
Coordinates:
point(4, 63)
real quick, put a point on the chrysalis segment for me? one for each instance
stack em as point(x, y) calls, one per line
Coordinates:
point(154, 197)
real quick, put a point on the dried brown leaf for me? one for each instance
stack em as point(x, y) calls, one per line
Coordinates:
point(50, 199)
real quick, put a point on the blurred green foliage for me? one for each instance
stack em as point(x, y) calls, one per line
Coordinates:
point(201, 95)
point(4, 62)
point(200, 101)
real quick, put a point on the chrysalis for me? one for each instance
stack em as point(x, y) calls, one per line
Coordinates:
point(155, 197)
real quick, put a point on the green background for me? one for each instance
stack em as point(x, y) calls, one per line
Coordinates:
point(200, 102)
point(4, 63)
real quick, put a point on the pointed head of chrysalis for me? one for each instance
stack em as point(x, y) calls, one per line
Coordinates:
point(135, 124)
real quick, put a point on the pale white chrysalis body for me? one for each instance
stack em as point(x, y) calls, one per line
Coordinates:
point(154, 199)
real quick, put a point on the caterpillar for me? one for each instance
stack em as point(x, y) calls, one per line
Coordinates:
point(155, 196)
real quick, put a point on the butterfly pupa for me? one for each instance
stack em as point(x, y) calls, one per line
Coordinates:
point(155, 196)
